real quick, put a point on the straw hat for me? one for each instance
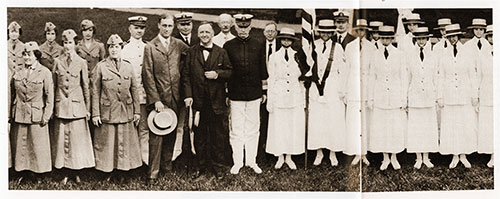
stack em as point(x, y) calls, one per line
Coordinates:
point(489, 30)
point(374, 25)
point(386, 31)
point(287, 33)
point(361, 24)
point(326, 25)
point(453, 29)
point(442, 23)
point(421, 32)
point(162, 123)
point(414, 18)
point(478, 23)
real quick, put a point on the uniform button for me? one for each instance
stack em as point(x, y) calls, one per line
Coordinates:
point(287, 91)
point(67, 80)
point(67, 72)
point(455, 73)
point(119, 83)
point(422, 67)
point(386, 80)
point(287, 74)
point(423, 89)
point(387, 89)
point(287, 82)
point(422, 81)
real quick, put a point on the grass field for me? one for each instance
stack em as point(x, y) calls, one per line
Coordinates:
point(322, 178)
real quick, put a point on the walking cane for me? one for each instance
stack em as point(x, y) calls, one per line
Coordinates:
point(191, 132)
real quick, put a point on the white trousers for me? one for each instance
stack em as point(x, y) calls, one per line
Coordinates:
point(244, 134)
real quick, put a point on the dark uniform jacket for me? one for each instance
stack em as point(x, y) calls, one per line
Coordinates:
point(197, 86)
point(194, 40)
point(247, 57)
point(49, 54)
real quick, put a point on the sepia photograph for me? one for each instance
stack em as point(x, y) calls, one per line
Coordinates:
point(269, 100)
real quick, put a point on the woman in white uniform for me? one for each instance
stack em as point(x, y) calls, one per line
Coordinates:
point(422, 97)
point(485, 125)
point(326, 95)
point(286, 101)
point(457, 95)
point(387, 98)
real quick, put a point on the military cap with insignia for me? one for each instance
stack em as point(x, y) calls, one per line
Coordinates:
point(31, 46)
point(184, 17)
point(243, 20)
point(138, 20)
point(114, 39)
point(341, 16)
point(68, 34)
point(86, 24)
point(49, 26)
point(14, 26)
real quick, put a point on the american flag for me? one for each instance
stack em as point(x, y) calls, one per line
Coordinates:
point(308, 22)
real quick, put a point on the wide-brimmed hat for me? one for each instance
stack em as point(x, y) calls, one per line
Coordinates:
point(341, 16)
point(421, 32)
point(287, 33)
point(326, 25)
point(386, 31)
point(361, 24)
point(374, 25)
point(478, 23)
point(414, 18)
point(243, 20)
point(452, 29)
point(162, 123)
point(442, 23)
point(489, 30)
point(138, 20)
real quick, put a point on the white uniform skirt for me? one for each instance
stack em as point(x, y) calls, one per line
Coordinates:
point(286, 131)
point(423, 134)
point(485, 133)
point(355, 130)
point(458, 134)
point(387, 130)
point(326, 125)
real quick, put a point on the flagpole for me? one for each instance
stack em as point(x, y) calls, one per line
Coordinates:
point(308, 23)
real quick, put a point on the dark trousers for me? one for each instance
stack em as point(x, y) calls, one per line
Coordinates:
point(261, 150)
point(160, 152)
point(205, 139)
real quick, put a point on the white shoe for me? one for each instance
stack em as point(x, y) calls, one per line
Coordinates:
point(235, 169)
point(279, 163)
point(318, 159)
point(418, 164)
point(356, 160)
point(384, 165)
point(395, 163)
point(464, 161)
point(365, 160)
point(256, 168)
point(291, 164)
point(428, 163)
point(490, 164)
point(454, 162)
point(333, 159)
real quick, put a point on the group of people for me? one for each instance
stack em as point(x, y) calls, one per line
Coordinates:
point(119, 105)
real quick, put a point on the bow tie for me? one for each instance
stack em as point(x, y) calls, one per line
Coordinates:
point(206, 48)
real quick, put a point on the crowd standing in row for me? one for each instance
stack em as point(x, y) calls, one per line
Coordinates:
point(73, 107)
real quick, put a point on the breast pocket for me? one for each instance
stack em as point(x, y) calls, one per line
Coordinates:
point(36, 112)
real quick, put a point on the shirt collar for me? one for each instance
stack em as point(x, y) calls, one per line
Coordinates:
point(163, 39)
point(134, 40)
point(271, 42)
point(210, 45)
point(343, 35)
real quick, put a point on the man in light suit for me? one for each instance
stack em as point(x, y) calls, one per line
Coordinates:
point(207, 69)
point(161, 75)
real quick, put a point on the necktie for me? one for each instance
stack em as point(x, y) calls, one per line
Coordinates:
point(68, 60)
point(340, 39)
point(455, 51)
point(324, 47)
point(286, 54)
point(376, 44)
point(14, 46)
point(445, 44)
point(421, 54)
point(166, 45)
point(386, 53)
point(116, 64)
point(270, 51)
point(479, 45)
point(187, 40)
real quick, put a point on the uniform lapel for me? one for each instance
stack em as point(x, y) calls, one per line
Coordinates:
point(112, 67)
point(159, 46)
point(173, 45)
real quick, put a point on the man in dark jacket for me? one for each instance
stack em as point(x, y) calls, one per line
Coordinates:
point(207, 68)
point(245, 93)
